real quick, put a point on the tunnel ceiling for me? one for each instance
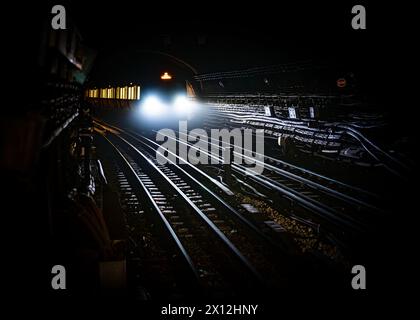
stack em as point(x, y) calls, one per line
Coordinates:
point(132, 65)
point(213, 37)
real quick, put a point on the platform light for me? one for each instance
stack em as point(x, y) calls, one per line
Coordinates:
point(166, 76)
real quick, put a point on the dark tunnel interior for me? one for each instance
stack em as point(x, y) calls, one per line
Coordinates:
point(238, 157)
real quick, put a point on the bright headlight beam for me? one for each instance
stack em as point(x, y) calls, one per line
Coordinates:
point(153, 106)
point(183, 105)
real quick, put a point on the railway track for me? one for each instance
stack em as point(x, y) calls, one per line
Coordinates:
point(339, 203)
point(216, 243)
point(332, 204)
point(325, 208)
point(383, 158)
point(147, 254)
point(336, 194)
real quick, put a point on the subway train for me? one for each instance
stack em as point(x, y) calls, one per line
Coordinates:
point(167, 96)
point(160, 96)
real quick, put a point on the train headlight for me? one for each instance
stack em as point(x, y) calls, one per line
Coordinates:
point(153, 106)
point(183, 105)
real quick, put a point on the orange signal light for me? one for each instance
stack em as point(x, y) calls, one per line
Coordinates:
point(166, 76)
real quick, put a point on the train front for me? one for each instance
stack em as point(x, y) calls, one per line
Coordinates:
point(167, 97)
